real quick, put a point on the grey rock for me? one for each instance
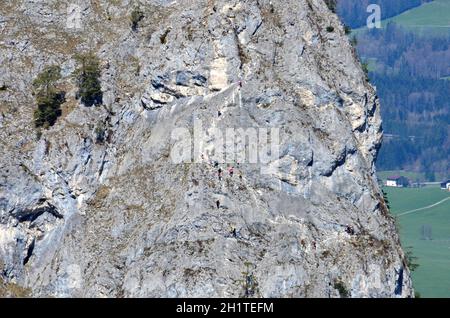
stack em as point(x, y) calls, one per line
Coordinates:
point(119, 218)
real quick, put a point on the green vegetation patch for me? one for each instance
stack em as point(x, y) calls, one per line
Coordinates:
point(136, 16)
point(48, 98)
point(88, 79)
point(425, 234)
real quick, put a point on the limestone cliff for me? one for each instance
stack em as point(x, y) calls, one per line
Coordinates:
point(120, 218)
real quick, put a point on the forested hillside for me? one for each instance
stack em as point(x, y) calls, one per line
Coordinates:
point(353, 12)
point(411, 71)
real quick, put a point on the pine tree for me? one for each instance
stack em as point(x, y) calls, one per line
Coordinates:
point(48, 98)
point(88, 79)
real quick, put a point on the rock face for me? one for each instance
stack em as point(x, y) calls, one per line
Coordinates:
point(120, 217)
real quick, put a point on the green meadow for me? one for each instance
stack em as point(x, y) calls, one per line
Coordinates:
point(432, 277)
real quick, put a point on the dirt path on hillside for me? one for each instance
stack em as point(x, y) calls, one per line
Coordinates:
point(424, 208)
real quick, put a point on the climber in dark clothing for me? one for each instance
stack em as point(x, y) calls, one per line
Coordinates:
point(233, 232)
point(220, 174)
point(349, 230)
point(219, 113)
point(218, 204)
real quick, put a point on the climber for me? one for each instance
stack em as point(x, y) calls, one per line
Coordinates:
point(219, 113)
point(349, 230)
point(233, 232)
point(219, 172)
point(230, 171)
point(240, 84)
point(218, 204)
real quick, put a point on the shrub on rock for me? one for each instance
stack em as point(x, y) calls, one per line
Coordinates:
point(136, 16)
point(48, 98)
point(88, 79)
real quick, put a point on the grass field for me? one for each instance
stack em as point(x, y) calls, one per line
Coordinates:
point(432, 277)
point(429, 18)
